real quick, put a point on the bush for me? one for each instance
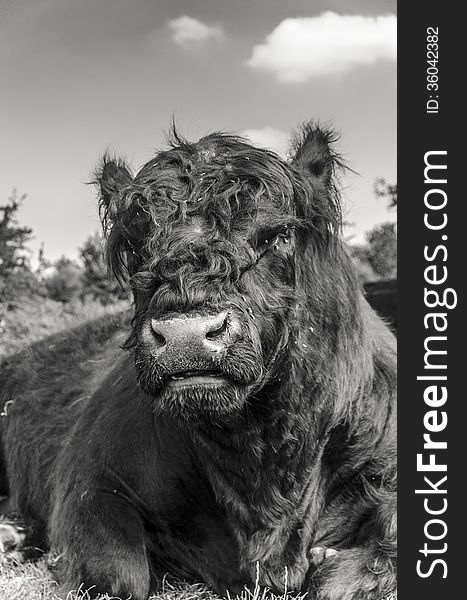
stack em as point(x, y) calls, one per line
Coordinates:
point(382, 250)
point(65, 283)
point(98, 284)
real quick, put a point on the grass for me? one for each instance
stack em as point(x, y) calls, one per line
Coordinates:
point(33, 581)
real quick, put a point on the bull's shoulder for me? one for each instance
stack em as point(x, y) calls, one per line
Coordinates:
point(72, 355)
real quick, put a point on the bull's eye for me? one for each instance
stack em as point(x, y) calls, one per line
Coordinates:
point(272, 239)
point(132, 249)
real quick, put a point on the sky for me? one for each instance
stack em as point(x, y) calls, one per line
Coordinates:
point(80, 78)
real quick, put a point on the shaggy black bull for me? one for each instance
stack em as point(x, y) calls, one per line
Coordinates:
point(252, 423)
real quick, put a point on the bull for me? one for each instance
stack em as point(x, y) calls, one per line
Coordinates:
point(248, 430)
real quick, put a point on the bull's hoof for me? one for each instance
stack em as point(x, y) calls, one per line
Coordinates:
point(319, 554)
point(12, 536)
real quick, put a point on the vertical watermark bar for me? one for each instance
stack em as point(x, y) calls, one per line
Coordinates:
point(431, 302)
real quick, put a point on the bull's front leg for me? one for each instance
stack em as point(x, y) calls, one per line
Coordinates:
point(366, 571)
point(13, 534)
point(100, 538)
point(277, 558)
point(20, 539)
point(360, 573)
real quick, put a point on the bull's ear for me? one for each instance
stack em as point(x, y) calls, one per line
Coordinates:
point(312, 149)
point(314, 155)
point(111, 177)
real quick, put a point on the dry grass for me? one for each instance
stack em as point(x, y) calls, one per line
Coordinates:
point(34, 582)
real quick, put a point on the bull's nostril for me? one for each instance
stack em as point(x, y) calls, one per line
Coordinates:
point(159, 339)
point(157, 334)
point(217, 333)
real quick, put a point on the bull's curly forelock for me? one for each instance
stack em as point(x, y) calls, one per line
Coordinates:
point(221, 178)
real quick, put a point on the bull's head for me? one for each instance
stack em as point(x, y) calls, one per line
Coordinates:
point(212, 237)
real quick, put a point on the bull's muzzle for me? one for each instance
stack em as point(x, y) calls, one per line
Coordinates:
point(187, 346)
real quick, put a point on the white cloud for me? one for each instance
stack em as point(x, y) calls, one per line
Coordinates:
point(268, 137)
point(189, 32)
point(301, 48)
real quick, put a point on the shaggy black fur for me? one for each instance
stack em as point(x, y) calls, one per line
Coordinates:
point(291, 451)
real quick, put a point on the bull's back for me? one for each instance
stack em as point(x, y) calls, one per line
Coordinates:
point(43, 388)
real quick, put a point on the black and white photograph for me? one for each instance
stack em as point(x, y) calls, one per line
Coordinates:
point(199, 301)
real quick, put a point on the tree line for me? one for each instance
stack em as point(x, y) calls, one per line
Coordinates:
point(66, 280)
